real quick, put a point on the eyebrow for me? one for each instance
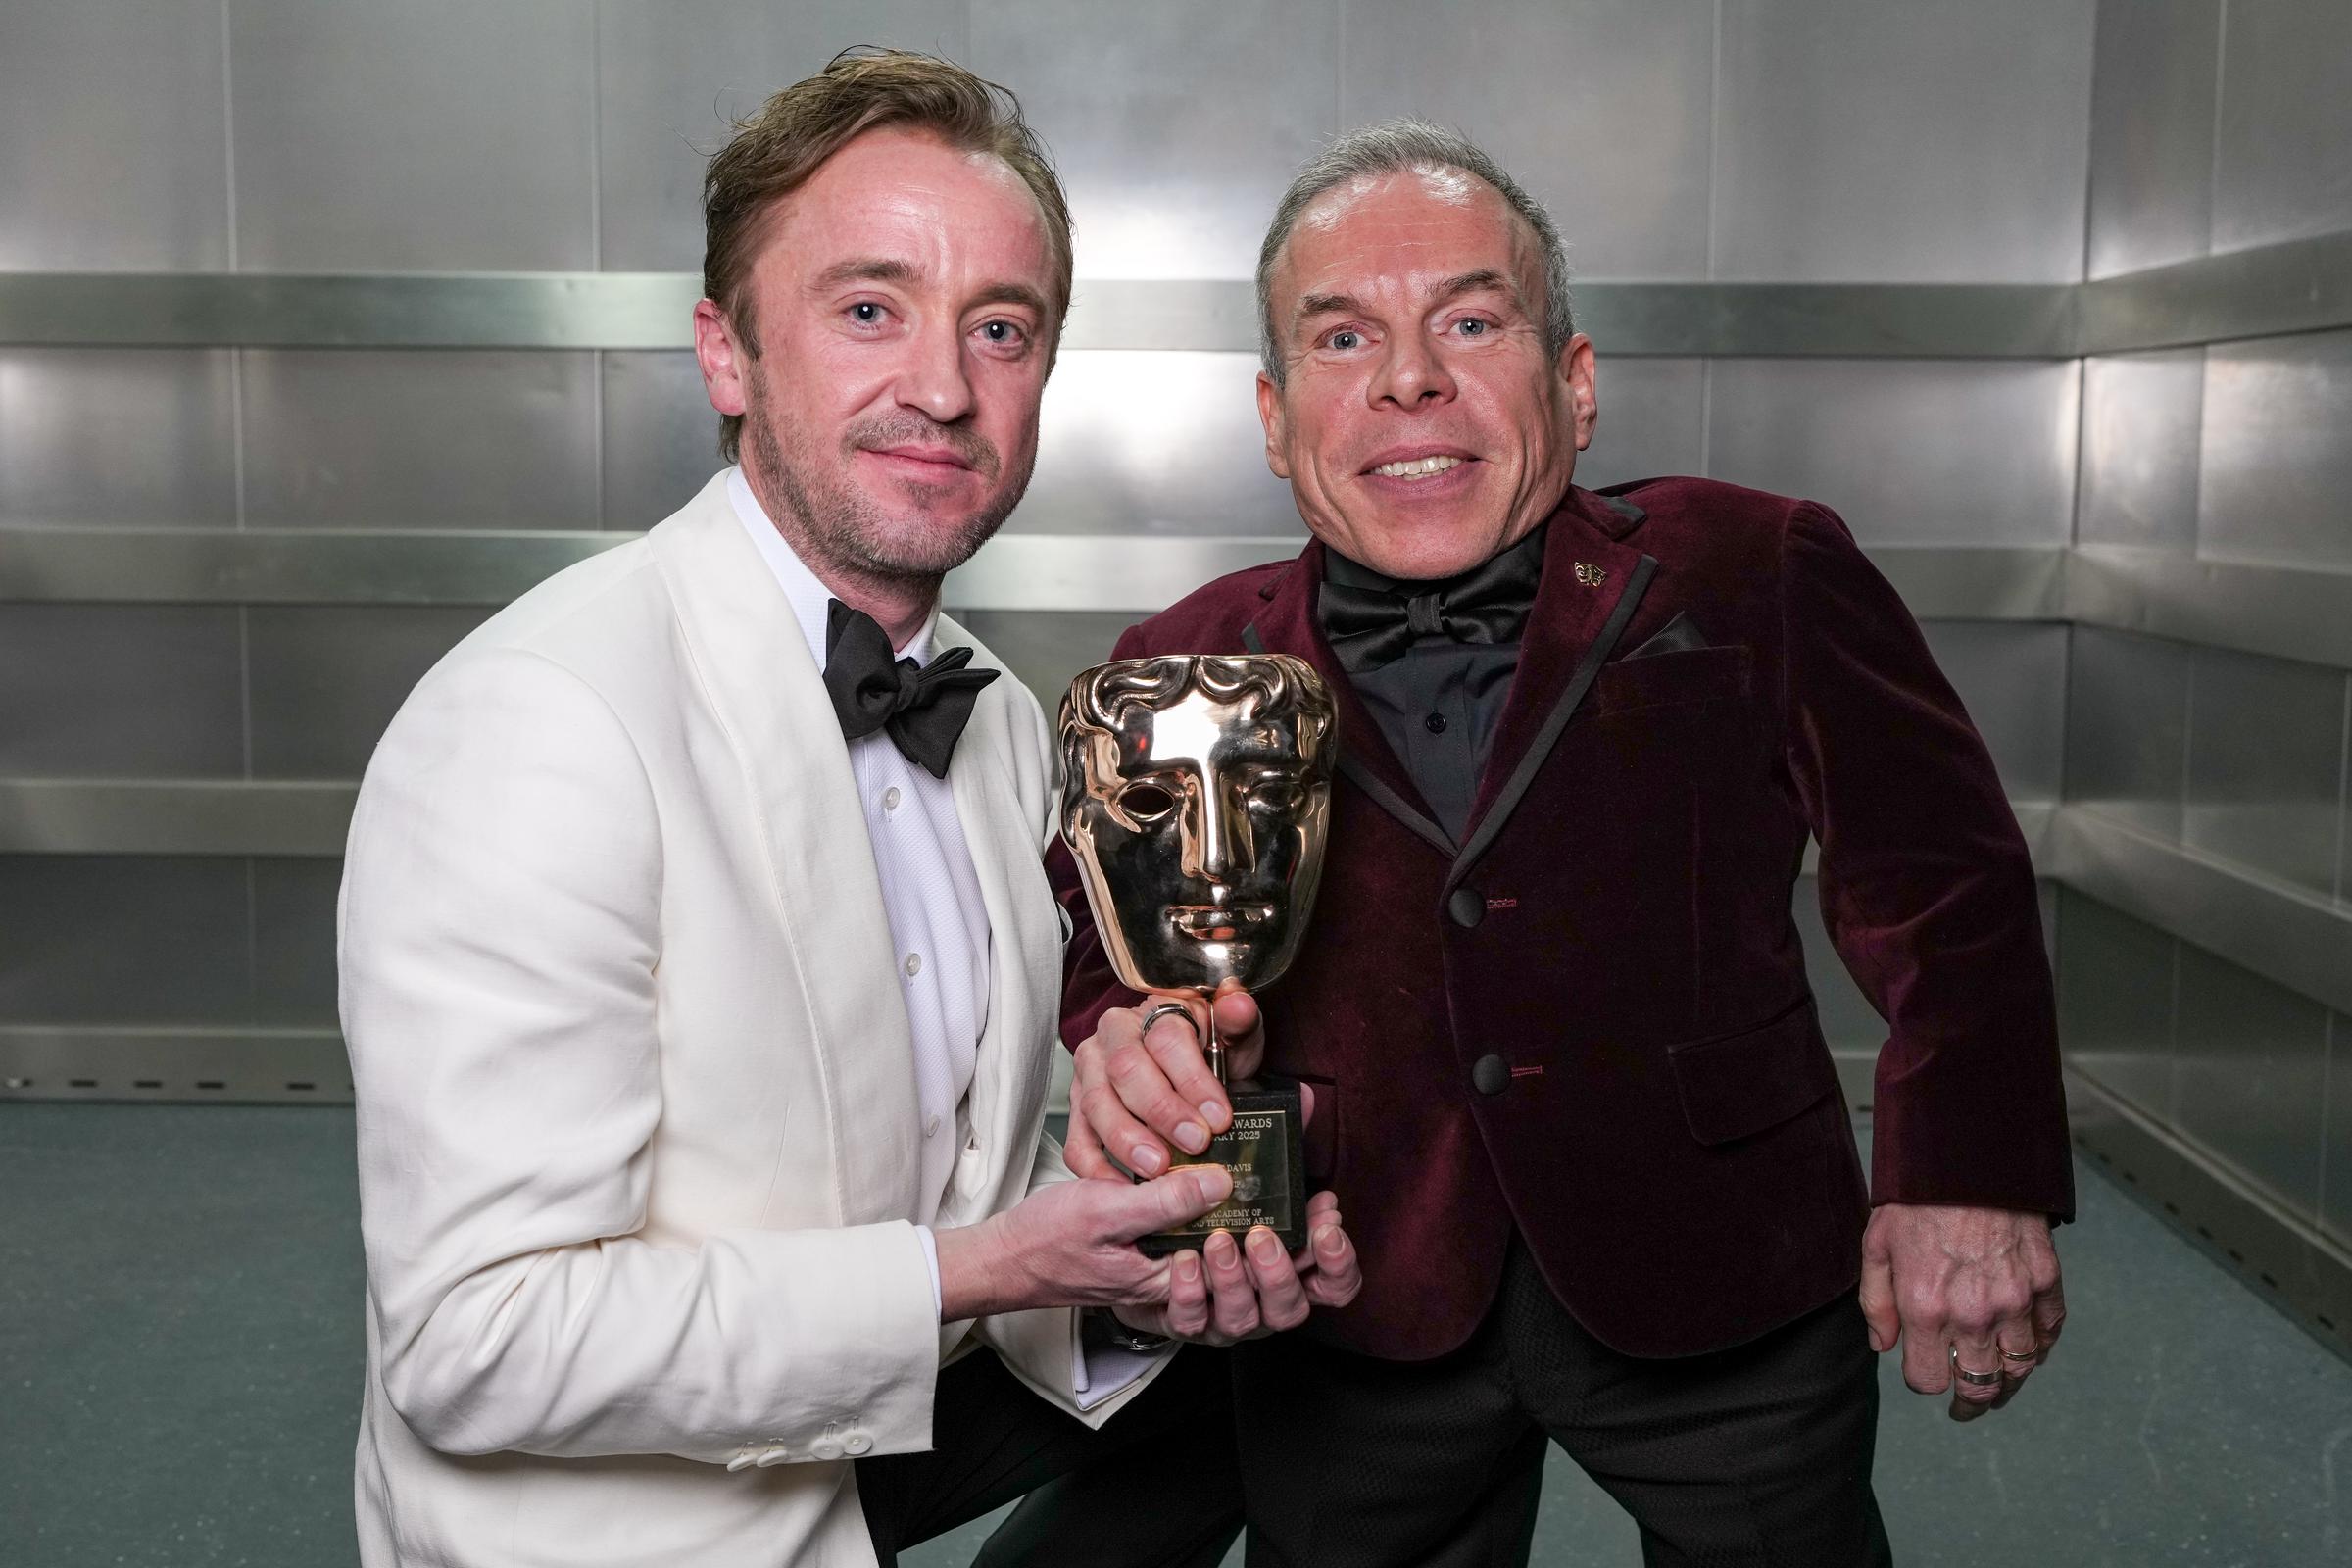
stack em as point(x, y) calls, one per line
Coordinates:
point(882, 269)
point(866, 270)
point(1452, 288)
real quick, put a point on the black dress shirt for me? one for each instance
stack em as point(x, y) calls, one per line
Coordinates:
point(1438, 706)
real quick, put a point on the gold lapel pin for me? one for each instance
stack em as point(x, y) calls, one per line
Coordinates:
point(1590, 576)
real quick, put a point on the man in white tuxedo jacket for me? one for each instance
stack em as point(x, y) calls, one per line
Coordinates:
point(699, 969)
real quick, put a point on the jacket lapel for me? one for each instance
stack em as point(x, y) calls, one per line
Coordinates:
point(1007, 1103)
point(757, 672)
point(1288, 624)
point(1593, 582)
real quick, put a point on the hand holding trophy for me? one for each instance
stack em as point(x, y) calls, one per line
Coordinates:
point(1197, 801)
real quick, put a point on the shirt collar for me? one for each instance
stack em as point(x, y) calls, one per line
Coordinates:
point(807, 593)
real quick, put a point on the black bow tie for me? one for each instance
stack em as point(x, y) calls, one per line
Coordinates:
point(1371, 627)
point(923, 707)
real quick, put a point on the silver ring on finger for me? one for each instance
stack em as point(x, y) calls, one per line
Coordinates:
point(1975, 1380)
point(1159, 1010)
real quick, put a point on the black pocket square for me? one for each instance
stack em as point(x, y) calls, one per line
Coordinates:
point(1678, 636)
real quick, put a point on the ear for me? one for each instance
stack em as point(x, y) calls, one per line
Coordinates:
point(1269, 414)
point(1579, 388)
point(725, 364)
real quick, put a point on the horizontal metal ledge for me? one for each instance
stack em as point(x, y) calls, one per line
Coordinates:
point(2282, 933)
point(1022, 571)
point(218, 1066)
point(200, 816)
point(2297, 286)
point(654, 310)
point(2285, 611)
point(325, 567)
point(2302, 285)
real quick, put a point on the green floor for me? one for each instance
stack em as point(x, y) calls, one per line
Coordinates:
point(180, 1372)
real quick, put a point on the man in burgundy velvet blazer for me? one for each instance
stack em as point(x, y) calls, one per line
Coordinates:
point(1568, 1079)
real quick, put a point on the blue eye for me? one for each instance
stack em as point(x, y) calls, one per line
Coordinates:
point(1473, 327)
point(1344, 340)
point(867, 312)
point(1002, 332)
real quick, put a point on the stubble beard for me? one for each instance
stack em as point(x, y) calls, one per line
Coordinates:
point(839, 526)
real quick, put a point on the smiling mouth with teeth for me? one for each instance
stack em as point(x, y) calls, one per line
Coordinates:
point(1417, 468)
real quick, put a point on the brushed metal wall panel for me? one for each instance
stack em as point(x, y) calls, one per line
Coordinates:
point(1542, 86)
point(326, 681)
point(661, 442)
point(1652, 422)
point(1923, 143)
point(1176, 125)
point(379, 439)
point(2151, 132)
point(2252, 1075)
point(123, 939)
point(294, 942)
point(114, 146)
point(1045, 647)
point(1847, 1019)
point(2280, 169)
point(430, 135)
point(1136, 442)
point(2011, 675)
point(672, 76)
point(147, 691)
point(117, 438)
point(2266, 749)
point(2127, 728)
point(1907, 451)
point(2115, 1000)
point(2275, 465)
point(2142, 417)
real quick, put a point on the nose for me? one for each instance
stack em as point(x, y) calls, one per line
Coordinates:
point(1412, 374)
point(934, 380)
point(1216, 832)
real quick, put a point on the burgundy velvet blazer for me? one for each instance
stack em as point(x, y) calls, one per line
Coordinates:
point(1660, 1118)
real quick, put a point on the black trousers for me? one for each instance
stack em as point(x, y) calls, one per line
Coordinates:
point(996, 1440)
point(1755, 1456)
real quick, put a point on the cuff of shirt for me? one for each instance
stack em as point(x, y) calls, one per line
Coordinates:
point(1100, 1369)
point(939, 1303)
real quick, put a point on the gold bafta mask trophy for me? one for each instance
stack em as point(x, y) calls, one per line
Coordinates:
point(1197, 797)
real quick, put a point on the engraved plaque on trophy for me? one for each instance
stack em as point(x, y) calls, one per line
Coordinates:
point(1196, 799)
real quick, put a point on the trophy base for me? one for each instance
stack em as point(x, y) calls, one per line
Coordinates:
point(1266, 1150)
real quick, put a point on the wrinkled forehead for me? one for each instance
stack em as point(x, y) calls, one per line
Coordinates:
point(1206, 731)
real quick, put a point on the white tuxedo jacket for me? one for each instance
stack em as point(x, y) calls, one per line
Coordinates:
point(637, 1116)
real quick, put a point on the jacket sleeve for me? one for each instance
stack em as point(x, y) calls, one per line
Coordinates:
point(1927, 891)
point(499, 931)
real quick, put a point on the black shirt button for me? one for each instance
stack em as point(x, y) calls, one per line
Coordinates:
point(1489, 1075)
point(1435, 723)
point(1468, 907)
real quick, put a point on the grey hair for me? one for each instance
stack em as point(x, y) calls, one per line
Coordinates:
point(1396, 147)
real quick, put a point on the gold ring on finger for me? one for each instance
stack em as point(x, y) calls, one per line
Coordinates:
point(2034, 1354)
